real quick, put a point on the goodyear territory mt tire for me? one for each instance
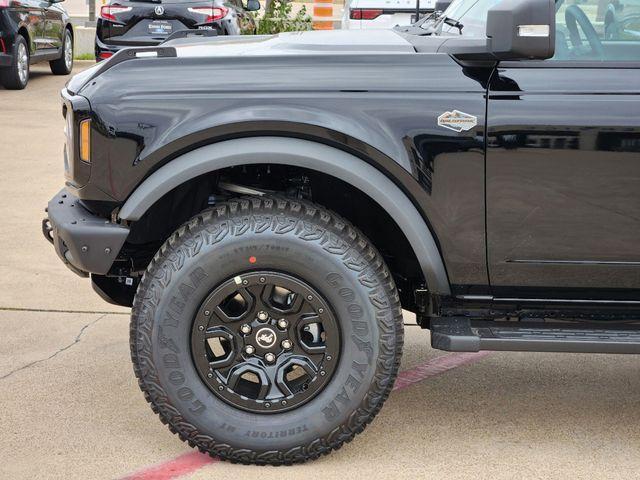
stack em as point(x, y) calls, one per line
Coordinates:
point(267, 331)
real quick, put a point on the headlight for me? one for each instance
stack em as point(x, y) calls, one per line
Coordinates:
point(77, 129)
point(68, 133)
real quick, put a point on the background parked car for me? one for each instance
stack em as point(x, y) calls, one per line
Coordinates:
point(360, 14)
point(33, 31)
point(147, 23)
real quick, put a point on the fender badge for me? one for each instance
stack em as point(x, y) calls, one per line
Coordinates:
point(457, 121)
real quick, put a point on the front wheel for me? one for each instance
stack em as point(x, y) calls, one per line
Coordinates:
point(266, 330)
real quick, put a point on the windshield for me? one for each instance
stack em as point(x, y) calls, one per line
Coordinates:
point(472, 14)
point(458, 8)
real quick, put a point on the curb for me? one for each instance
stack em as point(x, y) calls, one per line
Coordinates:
point(84, 40)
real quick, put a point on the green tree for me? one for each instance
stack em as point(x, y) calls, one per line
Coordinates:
point(277, 17)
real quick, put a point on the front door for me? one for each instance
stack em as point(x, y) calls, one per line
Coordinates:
point(31, 14)
point(563, 162)
point(54, 26)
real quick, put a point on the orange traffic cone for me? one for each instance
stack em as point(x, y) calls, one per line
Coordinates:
point(322, 14)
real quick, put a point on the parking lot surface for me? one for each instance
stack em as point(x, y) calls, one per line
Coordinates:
point(70, 406)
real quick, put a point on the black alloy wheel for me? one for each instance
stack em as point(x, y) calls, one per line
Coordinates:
point(265, 342)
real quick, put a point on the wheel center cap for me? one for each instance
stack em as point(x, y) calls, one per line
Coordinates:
point(265, 337)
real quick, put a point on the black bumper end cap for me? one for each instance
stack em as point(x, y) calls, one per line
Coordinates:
point(85, 242)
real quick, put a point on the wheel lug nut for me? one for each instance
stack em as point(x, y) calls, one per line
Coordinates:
point(249, 349)
point(270, 357)
point(246, 329)
point(286, 344)
point(282, 323)
point(262, 316)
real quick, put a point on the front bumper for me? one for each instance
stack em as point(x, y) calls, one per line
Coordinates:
point(85, 242)
point(101, 47)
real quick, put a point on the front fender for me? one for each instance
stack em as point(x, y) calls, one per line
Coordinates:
point(200, 125)
point(306, 154)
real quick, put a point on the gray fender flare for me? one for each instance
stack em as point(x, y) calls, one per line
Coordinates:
point(307, 154)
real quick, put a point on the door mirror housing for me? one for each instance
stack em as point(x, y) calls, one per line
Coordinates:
point(522, 29)
point(253, 5)
point(515, 30)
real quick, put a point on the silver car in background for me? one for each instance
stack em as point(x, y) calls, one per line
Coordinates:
point(361, 14)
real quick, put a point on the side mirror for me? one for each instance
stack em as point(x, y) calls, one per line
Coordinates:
point(253, 5)
point(522, 29)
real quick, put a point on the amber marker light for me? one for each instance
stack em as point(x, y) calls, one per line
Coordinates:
point(85, 140)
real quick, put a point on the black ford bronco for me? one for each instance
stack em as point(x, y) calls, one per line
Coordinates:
point(269, 205)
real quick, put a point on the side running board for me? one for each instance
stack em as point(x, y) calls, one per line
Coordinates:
point(465, 335)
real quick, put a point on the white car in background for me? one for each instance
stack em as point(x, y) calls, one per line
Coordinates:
point(361, 14)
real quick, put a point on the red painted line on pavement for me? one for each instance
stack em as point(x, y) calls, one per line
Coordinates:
point(177, 467)
point(435, 367)
point(192, 461)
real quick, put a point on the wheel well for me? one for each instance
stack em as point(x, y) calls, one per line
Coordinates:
point(195, 195)
point(25, 34)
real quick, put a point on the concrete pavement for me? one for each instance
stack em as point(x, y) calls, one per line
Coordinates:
point(70, 406)
point(71, 409)
point(31, 276)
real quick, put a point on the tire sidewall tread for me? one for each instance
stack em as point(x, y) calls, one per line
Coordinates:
point(59, 66)
point(353, 250)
